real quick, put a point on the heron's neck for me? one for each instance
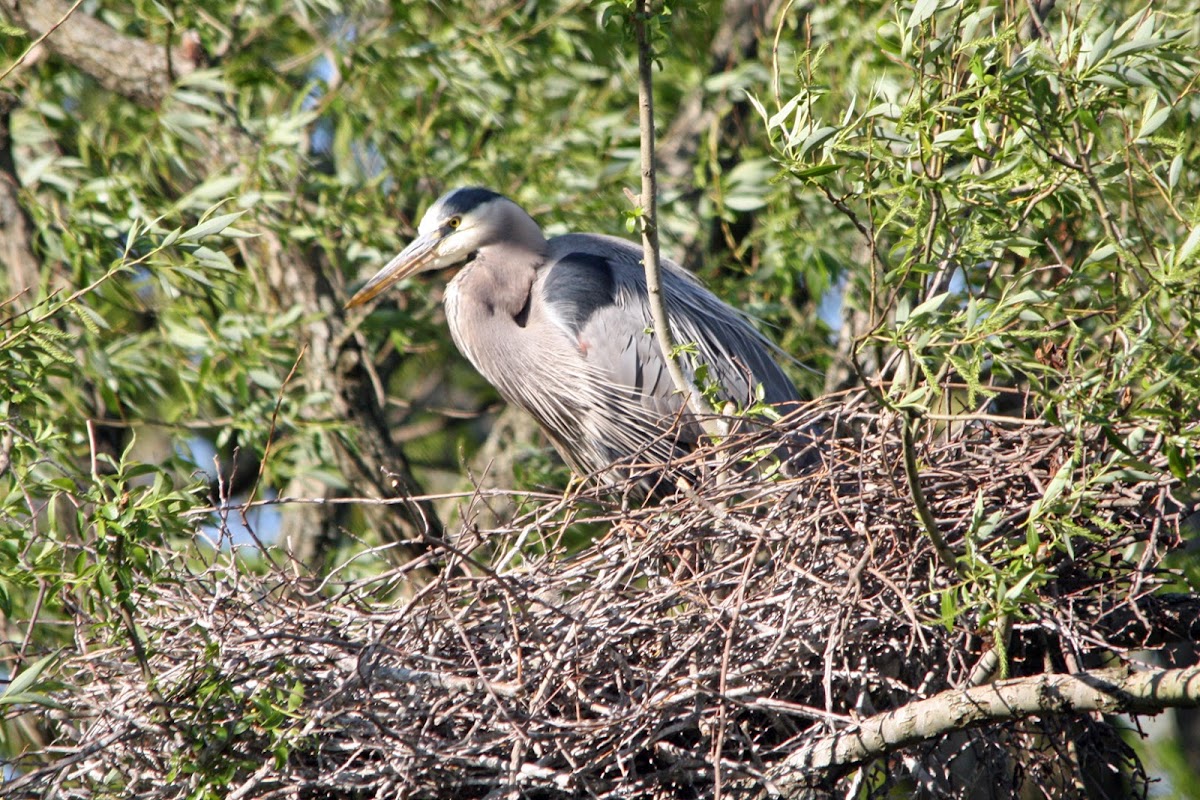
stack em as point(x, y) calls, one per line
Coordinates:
point(502, 273)
point(523, 233)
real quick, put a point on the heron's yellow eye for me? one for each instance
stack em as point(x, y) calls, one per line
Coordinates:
point(454, 222)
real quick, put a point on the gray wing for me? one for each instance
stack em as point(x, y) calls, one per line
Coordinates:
point(595, 289)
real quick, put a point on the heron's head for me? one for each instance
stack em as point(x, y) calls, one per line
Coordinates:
point(460, 223)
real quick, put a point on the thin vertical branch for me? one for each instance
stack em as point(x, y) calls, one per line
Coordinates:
point(944, 552)
point(649, 202)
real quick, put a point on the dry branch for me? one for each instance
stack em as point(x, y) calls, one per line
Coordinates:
point(744, 630)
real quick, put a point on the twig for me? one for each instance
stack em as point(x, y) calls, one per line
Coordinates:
point(913, 476)
point(45, 35)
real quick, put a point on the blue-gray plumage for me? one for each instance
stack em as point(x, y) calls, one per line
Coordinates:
point(561, 327)
point(578, 286)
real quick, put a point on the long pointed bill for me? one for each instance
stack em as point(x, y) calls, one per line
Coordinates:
point(411, 260)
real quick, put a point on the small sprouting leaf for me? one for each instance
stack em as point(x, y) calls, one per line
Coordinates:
point(91, 319)
point(53, 350)
point(295, 697)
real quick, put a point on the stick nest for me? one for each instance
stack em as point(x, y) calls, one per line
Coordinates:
point(684, 653)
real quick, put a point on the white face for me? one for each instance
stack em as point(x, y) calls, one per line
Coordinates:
point(458, 235)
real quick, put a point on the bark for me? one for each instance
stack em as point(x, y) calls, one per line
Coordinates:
point(338, 364)
point(16, 231)
point(134, 68)
point(649, 203)
point(1105, 691)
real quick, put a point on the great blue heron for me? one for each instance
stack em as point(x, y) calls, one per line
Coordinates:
point(562, 328)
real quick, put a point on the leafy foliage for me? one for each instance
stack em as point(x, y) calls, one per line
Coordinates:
point(966, 212)
point(1025, 197)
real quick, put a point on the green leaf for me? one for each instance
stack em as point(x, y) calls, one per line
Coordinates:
point(915, 398)
point(929, 306)
point(1102, 253)
point(1100, 48)
point(922, 10)
point(211, 226)
point(949, 137)
point(949, 609)
point(815, 171)
point(1175, 171)
point(1188, 247)
point(265, 378)
point(745, 202)
point(784, 113)
point(1015, 591)
point(218, 187)
point(1153, 122)
point(26, 678)
point(1062, 479)
point(817, 138)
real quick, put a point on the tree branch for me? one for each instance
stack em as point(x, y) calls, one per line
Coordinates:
point(1107, 691)
point(911, 472)
point(134, 68)
point(658, 313)
point(144, 72)
point(16, 230)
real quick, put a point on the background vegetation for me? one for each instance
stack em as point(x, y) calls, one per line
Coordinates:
point(962, 207)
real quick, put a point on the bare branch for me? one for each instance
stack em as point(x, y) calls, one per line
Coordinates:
point(1153, 621)
point(1107, 691)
